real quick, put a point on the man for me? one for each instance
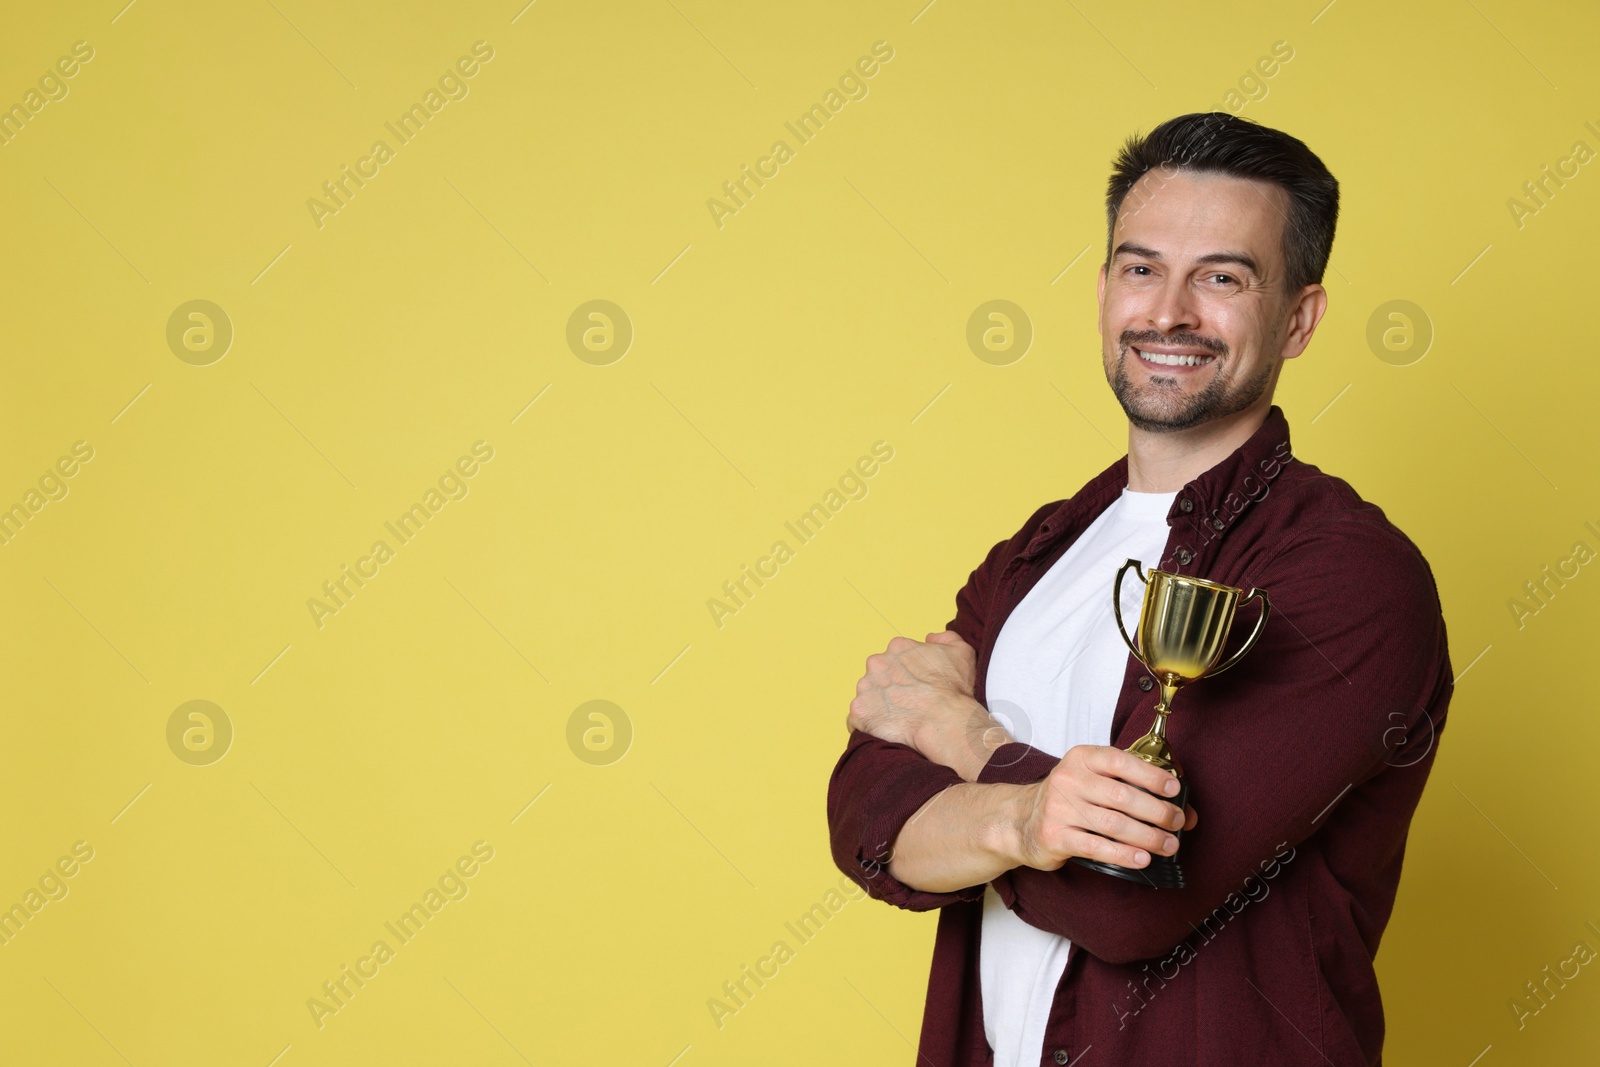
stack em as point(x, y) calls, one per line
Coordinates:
point(982, 760)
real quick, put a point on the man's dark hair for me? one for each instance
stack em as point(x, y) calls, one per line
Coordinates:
point(1219, 143)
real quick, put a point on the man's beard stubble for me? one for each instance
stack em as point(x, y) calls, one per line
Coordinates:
point(1146, 409)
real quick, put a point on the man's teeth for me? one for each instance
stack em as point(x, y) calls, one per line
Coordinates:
point(1167, 360)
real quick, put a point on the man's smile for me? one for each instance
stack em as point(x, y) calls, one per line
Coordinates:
point(1173, 357)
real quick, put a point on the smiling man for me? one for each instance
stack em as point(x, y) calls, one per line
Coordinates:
point(982, 760)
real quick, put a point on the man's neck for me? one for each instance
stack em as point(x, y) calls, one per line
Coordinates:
point(1166, 462)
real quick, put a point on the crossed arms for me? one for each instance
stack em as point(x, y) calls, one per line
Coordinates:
point(1096, 802)
point(932, 800)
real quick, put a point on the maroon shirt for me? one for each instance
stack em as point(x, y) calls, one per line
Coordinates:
point(1305, 763)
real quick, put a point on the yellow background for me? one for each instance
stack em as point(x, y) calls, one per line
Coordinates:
point(768, 355)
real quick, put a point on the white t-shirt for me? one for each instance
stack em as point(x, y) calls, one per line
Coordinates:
point(1053, 680)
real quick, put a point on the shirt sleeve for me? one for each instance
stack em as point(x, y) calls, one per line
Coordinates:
point(877, 785)
point(1353, 658)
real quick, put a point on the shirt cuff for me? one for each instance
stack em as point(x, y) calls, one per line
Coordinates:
point(895, 798)
point(1017, 764)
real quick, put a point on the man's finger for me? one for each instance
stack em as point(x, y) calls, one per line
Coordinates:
point(1133, 801)
point(1137, 833)
point(1115, 763)
point(1105, 850)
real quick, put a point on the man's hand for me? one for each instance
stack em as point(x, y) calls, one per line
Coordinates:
point(920, 694)
point(1093, 805)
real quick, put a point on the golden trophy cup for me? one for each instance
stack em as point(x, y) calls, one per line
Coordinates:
point(1183, 625)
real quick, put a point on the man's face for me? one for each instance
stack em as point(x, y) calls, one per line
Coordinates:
point(1194, 320)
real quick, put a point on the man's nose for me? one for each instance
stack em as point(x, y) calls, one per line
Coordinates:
point(1174, 307)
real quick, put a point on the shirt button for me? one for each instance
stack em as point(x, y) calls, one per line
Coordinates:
point(1062, 1055)
point(1185, 505)
point(1145, 682)
point(1217, 524)
point(1184, 555)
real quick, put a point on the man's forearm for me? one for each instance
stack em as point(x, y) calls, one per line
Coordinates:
point(964, 836)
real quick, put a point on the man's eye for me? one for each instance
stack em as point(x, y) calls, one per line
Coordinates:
point(1224, 278)
point(1138, 267)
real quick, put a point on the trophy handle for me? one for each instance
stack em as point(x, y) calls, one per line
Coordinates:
point(1116, 603)
point(1249, 642)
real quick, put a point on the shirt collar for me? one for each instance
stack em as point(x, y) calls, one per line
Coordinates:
point(1205, 507)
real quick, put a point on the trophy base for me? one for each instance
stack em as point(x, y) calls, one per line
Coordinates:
point(1162, 872)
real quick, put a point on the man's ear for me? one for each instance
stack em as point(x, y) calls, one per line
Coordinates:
point(1308, 310)
point(1100, 300)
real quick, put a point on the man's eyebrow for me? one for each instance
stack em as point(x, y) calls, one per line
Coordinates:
point(1242, 259)
point(1127, 248)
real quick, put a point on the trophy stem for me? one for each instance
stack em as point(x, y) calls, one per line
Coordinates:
point(1153, 747)
point(1168, 692)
